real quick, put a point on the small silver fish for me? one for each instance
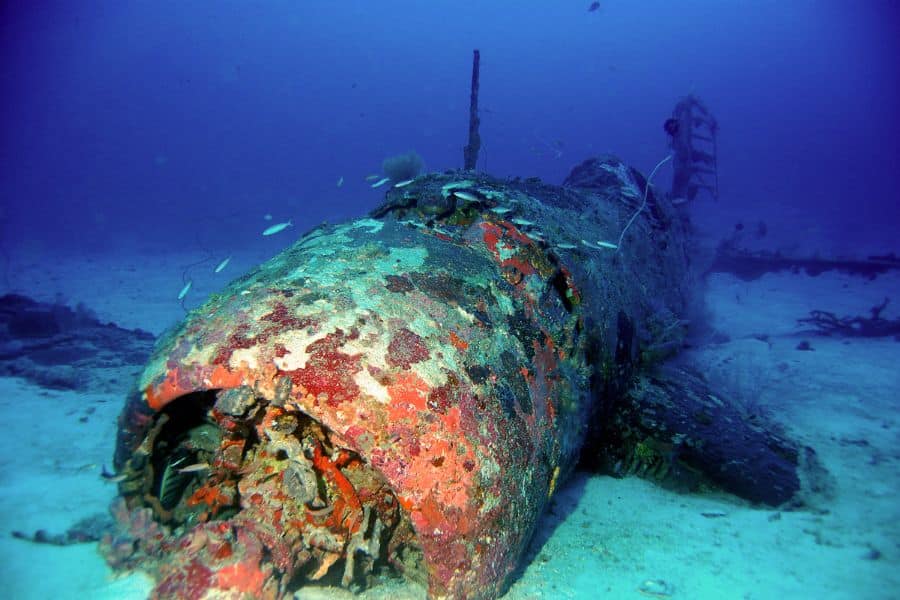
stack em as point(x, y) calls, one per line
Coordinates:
point(277, 228)
point(340, 181)
point(522, 222)
point(110, 476)
point(566, 246)
point(185, 289)
point(267, 217)
point(195, 468)
point(222, 265)
point(467, 196)
point(403, 183)
point(381, 182)
point(372, 177)
point(609, 245)
point(501, 210)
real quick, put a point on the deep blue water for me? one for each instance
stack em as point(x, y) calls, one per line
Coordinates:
point(138, 124)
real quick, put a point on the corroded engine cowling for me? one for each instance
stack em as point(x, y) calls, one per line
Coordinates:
point(407, 389)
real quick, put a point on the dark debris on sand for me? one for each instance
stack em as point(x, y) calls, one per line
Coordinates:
point(58, 347)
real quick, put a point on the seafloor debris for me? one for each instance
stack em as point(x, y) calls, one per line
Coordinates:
point(656, 588)
point(752, 264)
point(407, 391)
point(55, 346)
point(827, 323)
point(88, 529)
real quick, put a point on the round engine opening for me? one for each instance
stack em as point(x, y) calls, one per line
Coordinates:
point(226, 471)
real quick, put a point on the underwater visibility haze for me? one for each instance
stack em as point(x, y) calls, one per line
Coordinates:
point(450, 299)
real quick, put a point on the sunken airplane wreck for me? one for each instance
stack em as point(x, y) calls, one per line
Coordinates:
point(404, 393)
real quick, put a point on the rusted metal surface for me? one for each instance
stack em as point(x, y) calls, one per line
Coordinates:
point(406, 389)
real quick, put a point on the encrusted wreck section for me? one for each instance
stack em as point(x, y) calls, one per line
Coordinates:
point(404, 390)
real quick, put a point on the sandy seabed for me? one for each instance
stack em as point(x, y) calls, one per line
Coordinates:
point(604, 537)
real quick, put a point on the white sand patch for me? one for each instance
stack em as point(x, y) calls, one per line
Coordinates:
point(50, 464)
